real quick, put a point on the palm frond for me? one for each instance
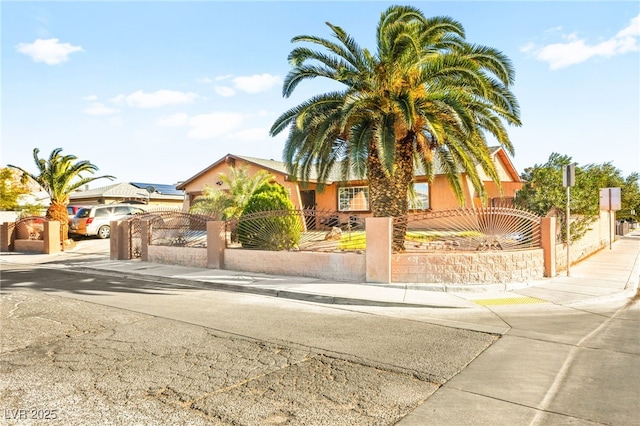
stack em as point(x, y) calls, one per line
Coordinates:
point(424, 92)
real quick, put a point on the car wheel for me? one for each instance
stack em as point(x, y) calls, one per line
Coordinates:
point(104, 232)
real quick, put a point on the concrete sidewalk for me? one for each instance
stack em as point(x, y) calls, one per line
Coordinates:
point(611, 272)
point(575, 361)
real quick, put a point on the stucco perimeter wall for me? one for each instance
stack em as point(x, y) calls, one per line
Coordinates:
point(468, 268)
point(183, 256)
point(29, 246)
point(599, 235)
point(349, 267)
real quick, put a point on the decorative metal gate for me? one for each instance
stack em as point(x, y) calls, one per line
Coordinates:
point(474, 229)
point(304, 230)
point(168, 227)
point(30, 228)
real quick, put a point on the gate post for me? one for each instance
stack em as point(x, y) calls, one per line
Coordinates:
point(548, 244)
point(379, 234)
point(216, 243)
point(120, 240)
point(114, 240)
point(145, 237)
point(7, 235)
point(51, 236)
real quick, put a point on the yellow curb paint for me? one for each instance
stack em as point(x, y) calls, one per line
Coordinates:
point(508, 301)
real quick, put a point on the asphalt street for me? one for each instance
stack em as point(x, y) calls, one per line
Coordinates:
point(93, 341)
point(99, 350)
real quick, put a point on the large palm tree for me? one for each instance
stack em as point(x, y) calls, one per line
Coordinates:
point(425, 96)
point(59, 176)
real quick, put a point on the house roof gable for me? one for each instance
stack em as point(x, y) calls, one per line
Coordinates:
point(126, 190)
point(280, 167)
point(498, 151)
point(270, 165)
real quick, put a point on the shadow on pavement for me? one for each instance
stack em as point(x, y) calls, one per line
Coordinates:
point(64, 280)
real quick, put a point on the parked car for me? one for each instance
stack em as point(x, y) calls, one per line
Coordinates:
point(73, 209)
point(96, 220)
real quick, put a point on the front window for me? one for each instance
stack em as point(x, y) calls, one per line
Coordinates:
point(419, 200)
point(353, 198)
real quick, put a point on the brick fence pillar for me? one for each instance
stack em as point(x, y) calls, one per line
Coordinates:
point(120, 240)
point(379, 233)
point(548, 243)
point(7, 235)
point(114, 239)
point(51, 237)
point(145, 237)
point(216, 243)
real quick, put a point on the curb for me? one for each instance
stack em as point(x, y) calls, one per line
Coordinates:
point(260, 291)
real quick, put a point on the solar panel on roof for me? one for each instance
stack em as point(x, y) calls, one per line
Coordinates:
point(159, 188)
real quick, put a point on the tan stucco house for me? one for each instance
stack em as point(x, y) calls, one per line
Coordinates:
point(353, 196)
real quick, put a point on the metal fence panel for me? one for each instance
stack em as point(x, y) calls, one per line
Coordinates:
point(474, 229)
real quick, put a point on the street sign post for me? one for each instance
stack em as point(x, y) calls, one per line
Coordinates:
point(568, 180)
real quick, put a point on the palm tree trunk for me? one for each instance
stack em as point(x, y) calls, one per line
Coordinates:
point(58, 211)
point(389, 191)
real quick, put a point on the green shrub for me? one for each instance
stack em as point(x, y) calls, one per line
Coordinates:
point(278, 231)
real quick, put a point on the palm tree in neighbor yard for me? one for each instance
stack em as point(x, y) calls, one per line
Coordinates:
point(425, 96)
point(59, 176)
point(229, 203)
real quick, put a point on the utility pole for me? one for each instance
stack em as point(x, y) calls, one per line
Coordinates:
point(568, 180)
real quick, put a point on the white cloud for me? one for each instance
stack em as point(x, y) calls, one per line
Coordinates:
point(628, 37)
point(576, 50)
point(157, 99)
point(256, 83)
point(49, 51)
point(224, 91)
point(217, 124)
point(90, 98)
point(529, 47)
point(175, 120)
point(251, 135)
point(251, 84)
point(633, 30)
point(98, 109)
point(205, 80)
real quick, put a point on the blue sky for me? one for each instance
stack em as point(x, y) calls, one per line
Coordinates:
point(157, 91)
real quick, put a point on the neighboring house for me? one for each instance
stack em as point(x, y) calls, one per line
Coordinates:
point(352, 196)
point(152, 194)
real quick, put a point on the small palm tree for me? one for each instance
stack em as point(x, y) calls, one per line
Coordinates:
point(59, 176)
point(425, 96)
point(227, 204)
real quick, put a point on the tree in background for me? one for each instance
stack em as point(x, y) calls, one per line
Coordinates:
point(59, 176)
point(12, 188)
point(228, 204)
point(425, 96)
point(543, 193)
point(630, 210)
